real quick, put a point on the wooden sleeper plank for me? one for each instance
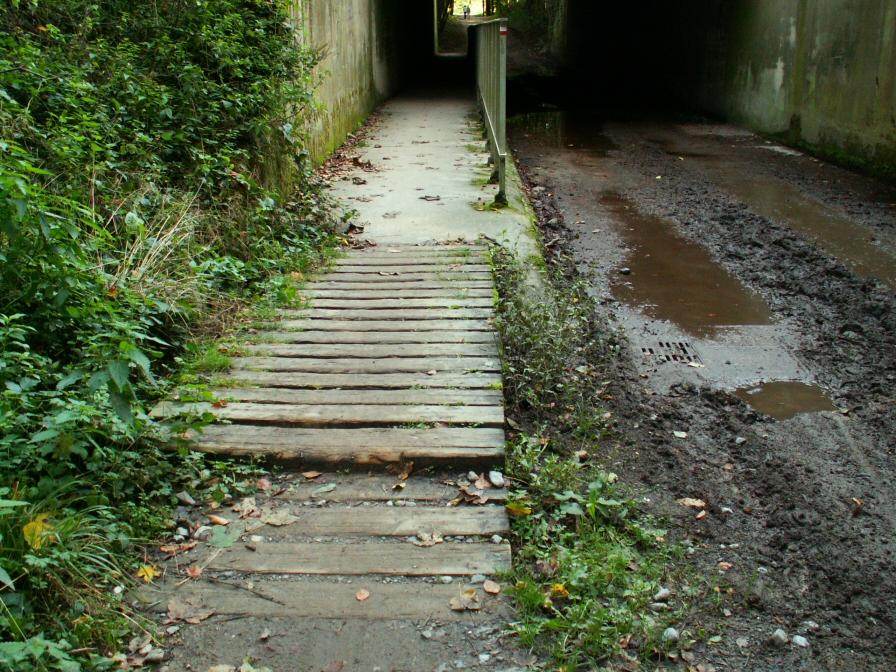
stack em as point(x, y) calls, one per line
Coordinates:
point(369, 351)
point(279, 395)
point(348, 381)
point(369, 366)
point(374, 337)
point(436, 314)
point(336, 414)
point(354, 559)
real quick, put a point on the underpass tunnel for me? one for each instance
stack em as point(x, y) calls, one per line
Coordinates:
point(628, 58)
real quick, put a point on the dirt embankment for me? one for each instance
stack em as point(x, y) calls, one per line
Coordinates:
point(803, 510)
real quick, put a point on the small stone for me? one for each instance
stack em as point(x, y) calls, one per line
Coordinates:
point(659, 606)
point(472, 476)
point(446, 579)
point(742, 642)
point(497, 539)
point(671, 635)
point(154, 656)
point(496, 478)
point(538, 190)
point(256, 538)
point(625, 270)
point(426, 634)
point(484, 658)
point(740, 441)
point(662, 595)
point(182, 532)
point(184, 498)
point(800, 641)
point(202, 533)
point(779, 638)
point(390, 503)
point(477, 578)
point(172, 629)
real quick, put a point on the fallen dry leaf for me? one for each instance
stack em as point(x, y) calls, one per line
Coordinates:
point(482, 483)
point(173, 549)
point(215, 519)
point(263, 483)
point(725, 566)
point(194, 571)
point(468, 600)
point(265, 635)
point(491, 587)
point(247, 508)
point(311, 475)
point(187, 611)
point(335, 666)
point(362, 595)
point(280, 518)
point(426, 539)
point(221, 403)
point(403, 470)
point(466, 495)
point(702, 515)
point(692, 503)
point(857, 505)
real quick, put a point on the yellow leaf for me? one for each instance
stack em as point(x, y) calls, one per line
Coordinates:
point(559, 590)
point(147, 573)
point(38, 531)
point(518, 509)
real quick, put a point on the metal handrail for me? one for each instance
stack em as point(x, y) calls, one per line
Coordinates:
point(491, 89)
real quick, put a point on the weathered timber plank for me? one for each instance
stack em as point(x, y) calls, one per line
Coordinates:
point(367, 294)
point(368, 351)
point(448, 304)
point(435, 269)
point(388, 521)
point(433, 397)
point(460, 326)
point(442, 379)
point(373, 337)
point(376, 488)
point(325, 599)
point(440, 314)
point(411, 260)
point(405, 276)
point(395, 285)
point(365, 446)
point(455, 559)
point(382, 365)
point(337, 414)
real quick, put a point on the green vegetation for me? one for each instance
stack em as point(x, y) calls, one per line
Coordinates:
point(153, 182)
point(588, 561)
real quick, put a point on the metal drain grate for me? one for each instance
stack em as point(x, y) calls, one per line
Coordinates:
point(672, 351)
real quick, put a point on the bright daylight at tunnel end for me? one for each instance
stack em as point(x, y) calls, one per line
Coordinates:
point(429, 335)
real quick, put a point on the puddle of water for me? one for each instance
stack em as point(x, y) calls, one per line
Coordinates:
point(566, 130)
point(675, 279)
point(781, 202)
point(782, 400)
point(839, 236)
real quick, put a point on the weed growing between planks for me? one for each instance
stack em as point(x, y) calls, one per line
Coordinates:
point(153, 186)
point(588, 561)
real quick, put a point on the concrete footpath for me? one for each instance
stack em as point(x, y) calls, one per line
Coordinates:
point(380, 545)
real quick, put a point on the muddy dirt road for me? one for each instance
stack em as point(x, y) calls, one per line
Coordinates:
point(755, 287)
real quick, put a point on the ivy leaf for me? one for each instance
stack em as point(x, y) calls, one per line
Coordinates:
point(148, 573)
point(518, 509)
point(38, 531)
point(6, 579)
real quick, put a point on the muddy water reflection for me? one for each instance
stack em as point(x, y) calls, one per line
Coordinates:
point(675, 279)
point(782, 400)
point(566, 130)
point(850, 242)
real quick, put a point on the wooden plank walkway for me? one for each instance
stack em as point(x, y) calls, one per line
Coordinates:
point(393, 362)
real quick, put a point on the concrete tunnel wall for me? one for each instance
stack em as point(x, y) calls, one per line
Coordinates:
point(370, 49)
point(819, 73)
